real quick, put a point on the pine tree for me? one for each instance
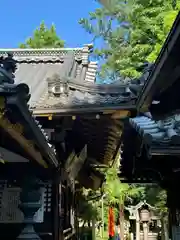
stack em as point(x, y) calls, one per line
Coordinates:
point(132, 31)
point(44, 37)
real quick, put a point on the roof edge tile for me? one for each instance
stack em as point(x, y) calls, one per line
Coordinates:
point(43, 51)
point(47, 54)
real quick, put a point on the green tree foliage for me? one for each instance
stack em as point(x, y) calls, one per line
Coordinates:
point(132, 31)
point(44, 37)
point(157, 197)
point(87, 210)
point(117, 193)
point(114, 193)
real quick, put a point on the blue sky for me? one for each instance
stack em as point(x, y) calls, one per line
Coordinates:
point(19, 19)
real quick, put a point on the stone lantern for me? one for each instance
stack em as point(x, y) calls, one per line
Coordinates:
point(144, 215)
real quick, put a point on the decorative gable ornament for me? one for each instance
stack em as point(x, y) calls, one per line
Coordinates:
point(57, 86)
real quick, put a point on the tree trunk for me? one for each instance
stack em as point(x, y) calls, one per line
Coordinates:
point(164, 232)
point(93, 229)
point(121, 220)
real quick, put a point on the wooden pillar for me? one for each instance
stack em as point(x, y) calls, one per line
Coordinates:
point(72, 215)
point(174, 210)
point(66, 206)
point(76, 214)
point(174, 215)
point(61, 209)
point(56, 206)
point(174, 227)
point(137, 226)
point(93, 229)
point(165, 230)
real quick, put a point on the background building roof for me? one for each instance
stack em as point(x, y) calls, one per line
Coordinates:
point(36, 66)
point(48, 72)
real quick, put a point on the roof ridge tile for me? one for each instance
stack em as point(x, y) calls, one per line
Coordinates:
point(43, 51)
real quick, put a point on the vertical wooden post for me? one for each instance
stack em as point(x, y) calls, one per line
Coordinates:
point(93, 229)
point(174, 211)
point(56, 201)
point(76, 215)
point(102, 215)
point(72, 208)
point(60, 211)
point(61, 205)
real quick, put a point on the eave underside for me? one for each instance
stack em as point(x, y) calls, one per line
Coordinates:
point(147, 161)
point(101, 135)
point(166, 69)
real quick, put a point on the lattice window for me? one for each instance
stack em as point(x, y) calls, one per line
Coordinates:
point(48, 197)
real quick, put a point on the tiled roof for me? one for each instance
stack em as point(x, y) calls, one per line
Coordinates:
point(65, 79)
point(78, 98)
point(14, 112)
point(162, 132)
point(35, 66)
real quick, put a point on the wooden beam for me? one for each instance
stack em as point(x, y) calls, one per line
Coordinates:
point(69, 160)
point(78, 111)
point(107, 112)
point(75, 162)
point(120, 114)
point(96, 166)
point(15, 131)
point(8, 156)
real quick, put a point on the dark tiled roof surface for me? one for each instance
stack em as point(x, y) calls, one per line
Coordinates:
point(35, 75)
point(77, 98)
point(15, 111)
point(35, 67)
point(162, 132)
point(44, 71)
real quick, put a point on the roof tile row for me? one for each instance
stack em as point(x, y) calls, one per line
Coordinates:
point(38, 68)
point(162, 132)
